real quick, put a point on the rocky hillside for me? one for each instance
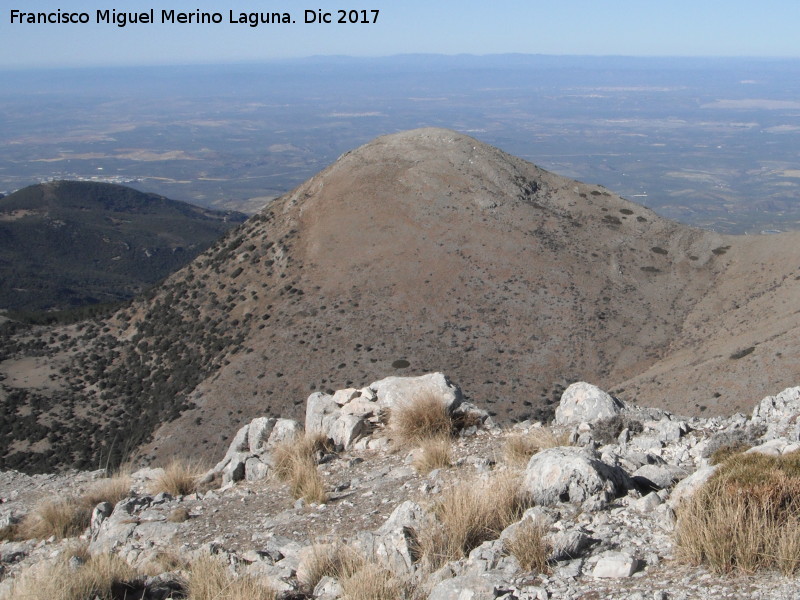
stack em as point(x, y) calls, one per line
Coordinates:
point(424, 250)
point(66, 244)
point(601, 502)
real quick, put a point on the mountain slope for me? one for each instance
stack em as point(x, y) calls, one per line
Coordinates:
point(421, 251)
point(72, 243)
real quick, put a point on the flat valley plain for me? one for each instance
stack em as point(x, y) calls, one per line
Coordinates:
point(707, 142)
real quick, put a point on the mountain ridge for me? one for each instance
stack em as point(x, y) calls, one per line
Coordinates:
point(422, 251)
point(65, 244)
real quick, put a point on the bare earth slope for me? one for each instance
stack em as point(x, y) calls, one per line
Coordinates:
point(423, 251)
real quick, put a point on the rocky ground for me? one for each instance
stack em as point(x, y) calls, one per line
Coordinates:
point(608, 503)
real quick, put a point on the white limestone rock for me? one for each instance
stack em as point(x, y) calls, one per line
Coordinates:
point(321, 412)
point(780, 414)
point(283, 430)
point(483, 586)
point(258, 433)
point(615, 564)
point(393, 392)
point(689, 485)
point(569, 474)
point(583, 402)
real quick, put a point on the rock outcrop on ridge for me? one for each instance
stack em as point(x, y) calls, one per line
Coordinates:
point(606, 502)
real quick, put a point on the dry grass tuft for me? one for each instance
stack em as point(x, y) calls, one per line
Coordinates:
point(469, 514)
point(518, 447)
point(360, 578)
point(178, 479)
point(69, 516)
point(374, 582)
point(103, 577)
point(422, 418)
point(210, 579)
point(745, 518)
point(57, 518)
point(723, 453)
point(9, 533)
point(163, 561)
point(111, 489)
point(329, 560)
point(295, 462)
point(529, 547)
point(434, 454)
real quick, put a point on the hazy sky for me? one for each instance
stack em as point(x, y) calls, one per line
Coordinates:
point(597, 27)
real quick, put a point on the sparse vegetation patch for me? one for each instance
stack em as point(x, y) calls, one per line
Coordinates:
point(179, 478)
point(470, 513)
point(529, 546)
point(746, 517)
point(423, 417)
point(295, 462)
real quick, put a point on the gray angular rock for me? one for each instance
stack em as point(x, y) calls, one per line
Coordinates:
point(235, 468)
point(255, 469)
point(776, 447)
point(490, 556)
point(671, 431)
point(99, 514)
point(394, 543)
point(615, 564)
point(347, 430)
point(239, 445)
point(780, 414)
point(689, 485)
point(258, 433)
point(282, 431)
point(568, 544)
point(583, 402)
point(649, 477)
point(483, 586)
point(327, 588)
point(118, 528)
point(321, 413)
point(569, 474)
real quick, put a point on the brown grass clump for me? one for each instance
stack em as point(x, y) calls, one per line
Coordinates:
point(69, 516)
point(434, 454)
point(423, 417)
point(518, 448)
point(328, 560)
point(374, 582)
point(210, 579)
point(164, 560)
point(294, 462)
point(110, 489)
point(57, 518)
point(723, 453)
point(360, 578)
point(469, 514)
point(179, 478)
point(103, 577)
point(529, 547)
point(745, 518)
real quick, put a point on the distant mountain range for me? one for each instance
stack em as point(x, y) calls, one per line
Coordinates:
point(68, 244)
point(421, 251)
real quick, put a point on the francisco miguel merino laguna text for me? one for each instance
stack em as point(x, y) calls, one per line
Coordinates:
point(253, 19)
